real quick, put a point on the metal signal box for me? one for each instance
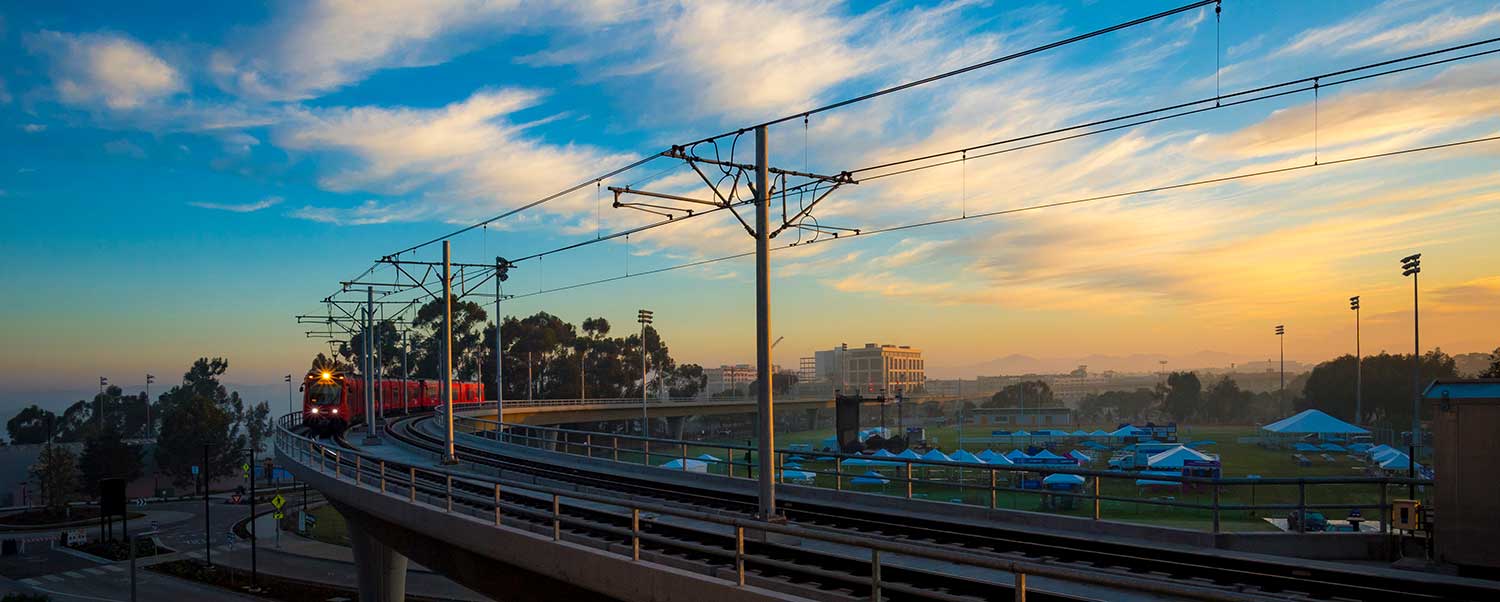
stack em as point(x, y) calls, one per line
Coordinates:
point(1466, 459)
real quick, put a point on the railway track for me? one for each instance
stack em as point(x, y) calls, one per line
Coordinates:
point(1237, 574)
point(831, 575)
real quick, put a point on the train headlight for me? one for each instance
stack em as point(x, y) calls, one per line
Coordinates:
point(315, 410)
point(327, 375)
point(335, 411)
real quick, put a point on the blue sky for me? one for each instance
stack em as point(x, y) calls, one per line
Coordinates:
point(179, 180)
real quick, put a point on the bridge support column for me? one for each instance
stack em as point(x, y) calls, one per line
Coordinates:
point(812, 419)
point(675, 426)
point(381, 569)
point(549, 440)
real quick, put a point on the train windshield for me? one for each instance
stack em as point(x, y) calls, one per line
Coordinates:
point(324, 394)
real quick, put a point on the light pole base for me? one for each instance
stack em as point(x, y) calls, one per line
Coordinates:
point(372, 440)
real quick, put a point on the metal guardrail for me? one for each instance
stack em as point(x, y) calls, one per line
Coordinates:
point(419, 486)
point(916, 473)
point(653, 402)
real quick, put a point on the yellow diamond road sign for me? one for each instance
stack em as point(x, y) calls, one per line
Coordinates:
point(278, 501)
point(280, 516)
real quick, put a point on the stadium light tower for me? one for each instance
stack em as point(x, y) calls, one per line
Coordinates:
point(1358, 361)
point(1411, 265)
point(644, 317)
point(1281, 336)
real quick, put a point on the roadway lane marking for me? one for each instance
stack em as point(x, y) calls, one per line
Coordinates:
point(93, 571)
point(53, 578)
point(32, 582)
point(73, 574)
point(114, 569)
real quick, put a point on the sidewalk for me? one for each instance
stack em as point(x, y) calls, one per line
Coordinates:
point(307, 559)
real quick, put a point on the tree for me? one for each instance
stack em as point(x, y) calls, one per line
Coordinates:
point(29, 426)
point(55, 474)
point(258, 426)
point(388, 340)
point(1184, 395)
point(1112, 406)
point(200, 412)
point(468, 337)
point(1494, 370)
point(687, 380)
point(105, 454)
point(1387, 392)
point(1024, 394)
point(1225, 401)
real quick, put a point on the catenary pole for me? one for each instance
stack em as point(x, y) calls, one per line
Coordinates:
point(448, 457)
point(763, 390)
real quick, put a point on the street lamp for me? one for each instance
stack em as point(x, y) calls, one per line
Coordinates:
point(1281, 336)
point(1358, 360)
point(290, 405)
point(1411, 265)
point(644, 317)
point(102, 383)
point(149, 380)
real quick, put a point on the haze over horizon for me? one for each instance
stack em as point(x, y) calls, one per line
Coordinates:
point(177, 192)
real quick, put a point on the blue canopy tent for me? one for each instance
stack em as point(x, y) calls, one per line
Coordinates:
point(966, 457)
point(1063, 481)
point(1080, 456)
point(989, 455)
point(1045, 455)
point(869, 478)
point(1202, 443)
point(936, 456)
point(1305, 447)
point(799, 476)
point(1079, 433)
point(1333, 447)
point(1360, 448)
point(691, 465)
point(1157, 482)
point(1174, 458)
point(881, 453)
point(909, 454)
point(1098, 433)
point(1017, 455)
point(709, 458)
point(1095, 445)
point(1311, 422)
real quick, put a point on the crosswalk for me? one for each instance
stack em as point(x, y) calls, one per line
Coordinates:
point(98, 571)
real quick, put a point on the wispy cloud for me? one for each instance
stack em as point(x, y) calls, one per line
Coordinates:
point(105, 70)
point(240, 207)
point(33, 128)
point(368, 213)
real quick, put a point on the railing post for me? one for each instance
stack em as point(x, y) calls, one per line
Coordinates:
point(838, 474)
point(1385, 510)
point(729, 461)
point(684, 457)
point(1301, 506)
point(497, 504)
point(908, 480)
point(1216, 505)
point(1097, 483)
point(358, 468)
point(993, 494)
point(1020, 586)
point(875, 574)
point(588, 445)
point(615, 444)
point(382, 476)
point(556, 519)
point(646, 457)
point(338, 467)
point(739, 555)
point(412, 485)
point(450, 492)
point(635, 533)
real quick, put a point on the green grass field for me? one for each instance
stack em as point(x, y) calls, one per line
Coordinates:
point(1238, 460)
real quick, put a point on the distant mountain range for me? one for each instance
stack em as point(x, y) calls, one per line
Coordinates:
point(1139, 362)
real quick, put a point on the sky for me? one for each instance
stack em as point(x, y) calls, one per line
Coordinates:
point(181, 179)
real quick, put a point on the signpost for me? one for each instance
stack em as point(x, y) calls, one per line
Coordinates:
point(277, 502)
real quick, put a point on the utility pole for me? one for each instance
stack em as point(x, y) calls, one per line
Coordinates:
point(251, 475)
point(1411, 265)
point(150, 428)
point(405, 373)
point(765, 406)
point(100, 401)
point(499, 346)
point(530, 388)
point(1281, 337)
point(448, 457)
point(208, 539)
point(644, 317)
point(368, 343)
point(291, 405)
point(1358, 363)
